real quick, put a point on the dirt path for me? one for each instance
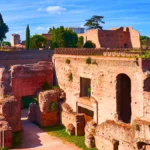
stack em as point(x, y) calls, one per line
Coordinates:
point(36, 138)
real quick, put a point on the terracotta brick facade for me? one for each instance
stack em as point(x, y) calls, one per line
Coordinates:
point(113, 38)
point(117, 123)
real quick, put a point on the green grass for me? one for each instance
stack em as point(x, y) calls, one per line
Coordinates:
point(59, 131)
point(17, 139)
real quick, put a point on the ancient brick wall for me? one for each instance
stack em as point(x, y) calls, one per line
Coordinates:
point(103, 75)
point(114, 38)
point(5, 133)
point(27, 79)
point(76, 119)
point(46, 112)
point(11, 110)
point(8, 58)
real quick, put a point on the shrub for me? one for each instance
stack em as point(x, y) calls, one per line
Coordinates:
point(67, 61)
point(88, 61)
point(3, 148)
point(46, 86)
point(89, 44)
point(53, 106)
point(36, 100)
point(70, 77)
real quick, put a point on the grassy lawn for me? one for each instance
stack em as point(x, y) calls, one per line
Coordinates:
point(59, 131)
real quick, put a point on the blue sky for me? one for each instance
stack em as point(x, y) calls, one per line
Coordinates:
point(43, 14)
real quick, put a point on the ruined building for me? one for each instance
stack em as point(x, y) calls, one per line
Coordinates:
point(113, 90)
point(113, 38)
point(103, 95)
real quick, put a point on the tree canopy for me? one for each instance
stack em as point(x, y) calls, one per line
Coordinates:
point(6, 43)
point(94, 22)
point(62, 37)
point(38, 41)
point(3, 29)
point(89, 44)
point(27, 37)
point(144, 40)
point(80, 41)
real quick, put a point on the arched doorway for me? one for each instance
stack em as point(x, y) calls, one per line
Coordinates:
point(123, 95)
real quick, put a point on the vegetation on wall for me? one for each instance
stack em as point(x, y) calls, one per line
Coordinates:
point(88, 60)
point(94, 22)
point(3, 29)
point(38, 41)
point(27, 43)
point(53, 106)
point(62, 37)
point(89, 44)
point(144, 40)
point(67, 61)
point(70, 77)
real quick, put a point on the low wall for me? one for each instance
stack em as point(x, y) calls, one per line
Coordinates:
point(24, 57)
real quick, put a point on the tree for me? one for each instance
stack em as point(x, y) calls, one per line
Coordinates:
point(94, 22)
point(3, 29)
point(89, 44)
point(6, 43)
point(27, 37)
point(80, 41)
point(38, 41)
point(144, 40)
point(61, 37)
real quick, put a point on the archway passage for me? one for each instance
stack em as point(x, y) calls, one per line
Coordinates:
point(123, 94)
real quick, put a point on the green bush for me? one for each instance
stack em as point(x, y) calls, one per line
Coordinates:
point(88, 61)
point(67, 61)
point(89, 44)
point(36, 100)
point(53, 106)
point(46, 86)
point(3, 148)
point(70, 77)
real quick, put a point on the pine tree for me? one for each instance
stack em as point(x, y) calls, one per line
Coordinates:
point(27, 37)
point(3, 29)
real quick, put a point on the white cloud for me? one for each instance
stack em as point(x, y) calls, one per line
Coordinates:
point(39, 9)
point(40, 28)
point(55, 9)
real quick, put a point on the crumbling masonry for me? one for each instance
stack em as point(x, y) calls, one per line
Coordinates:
point(104, 95)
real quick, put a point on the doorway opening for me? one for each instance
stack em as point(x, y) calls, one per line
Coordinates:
point(123, 94)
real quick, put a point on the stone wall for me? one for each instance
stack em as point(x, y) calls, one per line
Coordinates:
point(113, 38)
point(46, 112)
point(8, 58)
point(100, 52)
point(10, 109)
point(103, 74)
point(76, 119)
point(26, 80)
point(5, 133)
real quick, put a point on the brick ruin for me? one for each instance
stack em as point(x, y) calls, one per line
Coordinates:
point(112, 90)
point(103, 94)
point(16, 82)
point(113, 38)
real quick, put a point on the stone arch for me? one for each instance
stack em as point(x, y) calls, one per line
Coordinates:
point(123, 97)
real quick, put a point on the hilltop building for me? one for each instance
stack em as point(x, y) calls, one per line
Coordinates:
point(113, 38)
point(15, 39)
